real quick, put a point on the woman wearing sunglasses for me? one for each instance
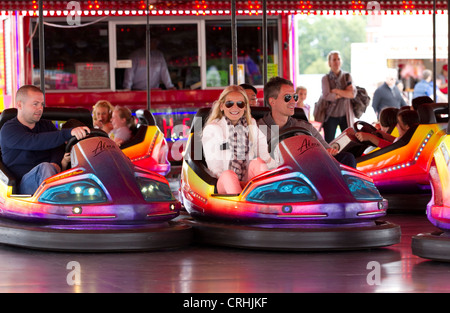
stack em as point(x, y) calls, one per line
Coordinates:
point(235, 149)
point(338, 90)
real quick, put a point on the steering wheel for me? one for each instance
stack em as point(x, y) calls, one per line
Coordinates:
point(361, 126)
point(287, 133)
point(94, 133)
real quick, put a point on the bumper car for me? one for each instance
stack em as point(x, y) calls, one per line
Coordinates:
point(104, 202)
point(404, 166)
point(310, 202)
point(147, 148)
point(436, 245)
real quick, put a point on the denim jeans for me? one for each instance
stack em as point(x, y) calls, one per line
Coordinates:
point(31, 180)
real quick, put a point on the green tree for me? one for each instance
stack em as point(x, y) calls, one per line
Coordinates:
point(318, 35)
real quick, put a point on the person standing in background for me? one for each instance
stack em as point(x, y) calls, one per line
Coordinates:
point(388, 95)
point(338, 90)
point(443, 80)
point(136, 76)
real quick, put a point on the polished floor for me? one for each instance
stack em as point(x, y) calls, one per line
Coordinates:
point(208, 269)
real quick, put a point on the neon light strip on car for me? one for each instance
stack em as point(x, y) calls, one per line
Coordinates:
point(405, 164)
point(303, 215)
point(83, 216)
point(370, 213)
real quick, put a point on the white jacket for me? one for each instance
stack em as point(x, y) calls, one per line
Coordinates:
point(218, 154)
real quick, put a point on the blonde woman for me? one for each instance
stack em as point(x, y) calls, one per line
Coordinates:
point(122, 121)
point(101, 114)
point(235, 149)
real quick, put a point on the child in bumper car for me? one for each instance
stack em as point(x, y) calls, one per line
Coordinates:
point(405, 119)
point(122, 121)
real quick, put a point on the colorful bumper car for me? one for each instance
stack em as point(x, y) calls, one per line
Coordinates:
point(148, 147)
point(404, 166)
point(436, 245)
point(102, 203)
point(310, 202)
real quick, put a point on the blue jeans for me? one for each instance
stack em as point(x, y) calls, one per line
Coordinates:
point(33, 179)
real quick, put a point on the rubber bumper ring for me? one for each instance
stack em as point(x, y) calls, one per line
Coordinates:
point(381, 234)
point(433, 246)
point(168, 235)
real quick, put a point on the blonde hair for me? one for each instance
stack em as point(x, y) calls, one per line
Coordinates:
point(126, 114)
point(333, 53)
point(102, 104)
point(216, 113)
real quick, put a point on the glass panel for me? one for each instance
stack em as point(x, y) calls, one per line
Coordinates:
point(249, 38)
point(75, 58)
point(173, 44)
point(373, 43)
point(286, 191)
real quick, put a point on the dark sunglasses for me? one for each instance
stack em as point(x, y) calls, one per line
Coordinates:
point(240, 104)
point(288, 98)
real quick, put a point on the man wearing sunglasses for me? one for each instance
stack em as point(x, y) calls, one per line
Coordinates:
point(280, 94)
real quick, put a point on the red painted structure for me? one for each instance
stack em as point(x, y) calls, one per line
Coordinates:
point(166, 102)
point(179, 9)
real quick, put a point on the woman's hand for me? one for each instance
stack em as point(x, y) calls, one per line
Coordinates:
point(366, 137)
point(332, 151)
point(98, 124)
point(119, 141)
point(337, 93)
